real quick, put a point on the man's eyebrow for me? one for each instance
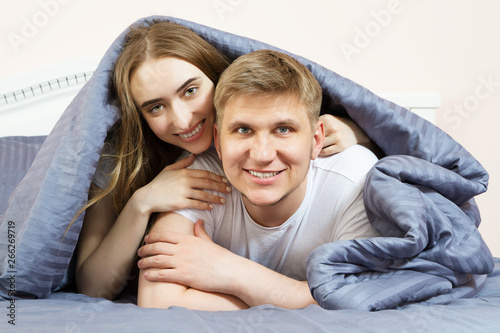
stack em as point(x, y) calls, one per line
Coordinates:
point(288, 121)
point(237, 124)
point(185, 84)
point(281, 122)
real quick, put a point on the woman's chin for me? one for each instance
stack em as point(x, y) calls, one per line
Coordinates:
point(198, 147)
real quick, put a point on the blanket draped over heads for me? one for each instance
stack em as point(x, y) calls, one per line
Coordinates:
point(420, 198)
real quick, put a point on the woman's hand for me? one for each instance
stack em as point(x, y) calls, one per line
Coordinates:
point(340, 134)
point(177, 188)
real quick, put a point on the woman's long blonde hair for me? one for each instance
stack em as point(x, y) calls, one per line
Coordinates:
point(137, 154)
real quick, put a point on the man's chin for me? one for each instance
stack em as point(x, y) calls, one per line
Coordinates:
point(262, 201)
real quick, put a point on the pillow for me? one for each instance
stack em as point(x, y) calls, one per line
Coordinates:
point(16, 156)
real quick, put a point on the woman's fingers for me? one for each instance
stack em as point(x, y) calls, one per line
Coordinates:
point(330, 150)
point(203, 182)
point(197, 191)
point(197, 174)
point(181, 164)
point(177, 188)
point(208, 180)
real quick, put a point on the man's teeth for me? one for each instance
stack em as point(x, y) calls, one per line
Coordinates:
point(195, 131)
point(263, 174)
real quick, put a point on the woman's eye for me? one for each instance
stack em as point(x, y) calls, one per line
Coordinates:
point(243, 130)
point(156, 108)
point(191, 91)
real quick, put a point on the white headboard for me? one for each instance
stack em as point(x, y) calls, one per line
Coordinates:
point(423, 103)
point(31, 103)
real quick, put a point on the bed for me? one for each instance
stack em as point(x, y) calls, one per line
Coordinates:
point(443, 278)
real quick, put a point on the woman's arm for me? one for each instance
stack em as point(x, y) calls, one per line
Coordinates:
point(166, 294)
point(107, 247)
point(108, 243)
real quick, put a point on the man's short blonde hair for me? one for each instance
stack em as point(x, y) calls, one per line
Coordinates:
point(268, 73)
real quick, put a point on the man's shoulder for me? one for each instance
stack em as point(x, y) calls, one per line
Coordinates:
point(353, 163)
point(208, 160)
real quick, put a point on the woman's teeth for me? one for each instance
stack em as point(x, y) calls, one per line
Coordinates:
point(194, 132)
point(263, 174)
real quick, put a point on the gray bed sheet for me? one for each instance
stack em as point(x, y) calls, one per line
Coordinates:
point(70, 312)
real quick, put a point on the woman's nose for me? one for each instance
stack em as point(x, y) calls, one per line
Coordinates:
point(181, 116)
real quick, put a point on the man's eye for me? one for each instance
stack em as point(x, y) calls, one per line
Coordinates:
point(191, 91)
point(283, 130)
point(243, 130)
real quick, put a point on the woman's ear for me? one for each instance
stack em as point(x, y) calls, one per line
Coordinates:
point(318, 139)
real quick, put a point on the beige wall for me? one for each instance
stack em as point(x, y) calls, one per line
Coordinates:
point(448, 46)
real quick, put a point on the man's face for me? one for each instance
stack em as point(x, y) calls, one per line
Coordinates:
point(266, 145)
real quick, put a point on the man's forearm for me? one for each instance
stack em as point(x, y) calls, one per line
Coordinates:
point(163, 295)
point(256, 285)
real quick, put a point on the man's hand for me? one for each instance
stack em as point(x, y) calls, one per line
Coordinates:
point(195, 261)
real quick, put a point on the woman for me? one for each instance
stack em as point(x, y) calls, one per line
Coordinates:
point(164, 81)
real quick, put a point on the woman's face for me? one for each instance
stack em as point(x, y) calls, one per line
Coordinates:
point(176, 100)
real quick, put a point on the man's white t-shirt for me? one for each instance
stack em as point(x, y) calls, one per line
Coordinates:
point(332, 210)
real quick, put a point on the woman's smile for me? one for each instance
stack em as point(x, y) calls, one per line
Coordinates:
point(193, 134)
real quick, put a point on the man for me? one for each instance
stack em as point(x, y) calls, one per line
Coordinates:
point(285, 200)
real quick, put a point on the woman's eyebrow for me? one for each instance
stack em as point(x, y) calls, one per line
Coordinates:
point(184, 85)
point(151, 101)
point(188, 81)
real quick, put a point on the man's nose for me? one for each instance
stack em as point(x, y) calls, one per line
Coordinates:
point(263, 149)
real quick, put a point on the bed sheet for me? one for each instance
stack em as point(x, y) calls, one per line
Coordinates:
point(70, 312)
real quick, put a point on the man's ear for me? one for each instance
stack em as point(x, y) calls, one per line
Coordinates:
point(318, 139)
point(217, 140)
